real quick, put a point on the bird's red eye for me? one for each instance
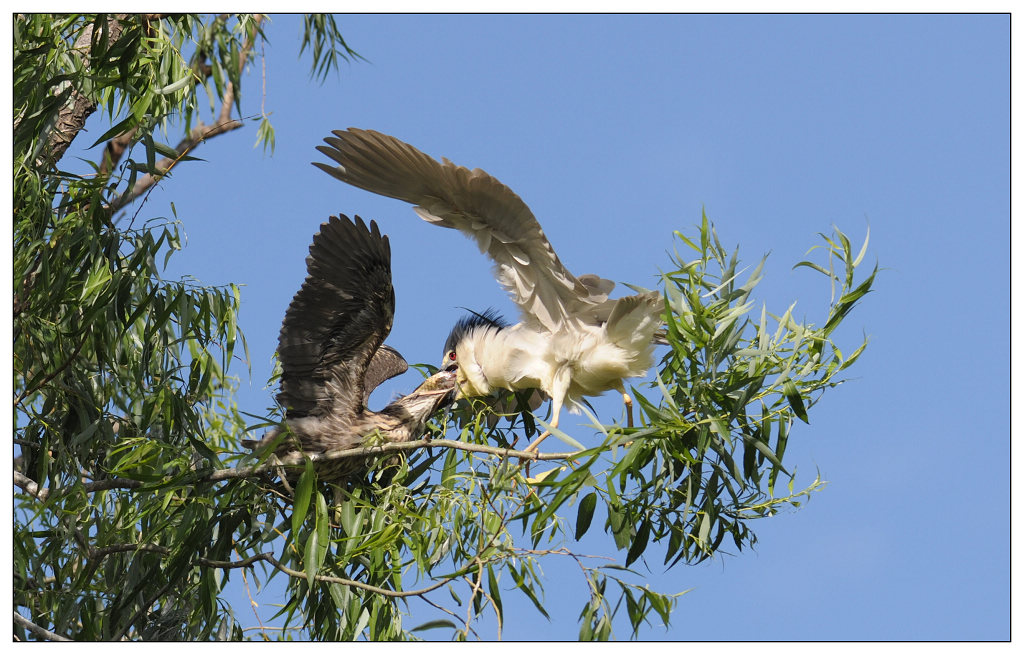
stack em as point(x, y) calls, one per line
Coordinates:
point(451, 355)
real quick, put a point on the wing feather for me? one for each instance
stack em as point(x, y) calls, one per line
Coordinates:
point(386, 364)
point(336, 323)
point(472, 202)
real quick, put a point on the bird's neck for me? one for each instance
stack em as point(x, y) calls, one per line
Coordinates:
point(497, 359)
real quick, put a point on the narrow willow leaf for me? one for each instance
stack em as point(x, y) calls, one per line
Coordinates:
point(121, 127)
point(544, 475)
point(620, 527)
point(316, 544)
point(361, 623)
point(174, 86)
point(863, 248)
point(763, 448)
point(558, 434)
point(495, 592)
point(303, 492)
point(639, 544)
point(585, 514)
point(796, 402)
point(704, 530)
point(433, 625)
point(853, 357)
point(817, 267)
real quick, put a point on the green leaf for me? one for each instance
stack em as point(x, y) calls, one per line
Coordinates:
point(433, 625)
point(619, 526)
point(495, 592)
point(317, 542)
point(585, 514)
point(856, 354)
point(704, 530)
point(303, 492)
point(524, 586)
point(639, 544)
point(119, 128)
point(796, 402)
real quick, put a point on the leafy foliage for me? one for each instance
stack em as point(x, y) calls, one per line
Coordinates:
point(136, 504)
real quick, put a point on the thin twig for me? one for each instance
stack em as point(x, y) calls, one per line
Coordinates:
point(474, 590)
point(39, 385)
point(142, 610)
point(98, 553)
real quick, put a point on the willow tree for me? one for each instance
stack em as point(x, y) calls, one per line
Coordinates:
point(136, 507)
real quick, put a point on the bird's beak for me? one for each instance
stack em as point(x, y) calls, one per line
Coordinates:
point(438, 383)
point(442, 386)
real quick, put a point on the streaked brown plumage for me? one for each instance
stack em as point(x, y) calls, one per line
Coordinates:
point(332, 353)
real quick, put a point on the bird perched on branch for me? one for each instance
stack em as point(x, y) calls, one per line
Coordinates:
point(332, 353)
point(572, 340)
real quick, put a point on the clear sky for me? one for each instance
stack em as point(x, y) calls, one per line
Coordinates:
point(617, 130)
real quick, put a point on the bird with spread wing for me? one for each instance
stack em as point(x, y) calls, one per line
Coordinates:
point(332, 353)
point(572, 340)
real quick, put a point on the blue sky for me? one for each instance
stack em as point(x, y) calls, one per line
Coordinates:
point(617, 130)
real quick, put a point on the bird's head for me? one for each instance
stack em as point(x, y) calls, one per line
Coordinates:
point(464, 330)
point(435, 392)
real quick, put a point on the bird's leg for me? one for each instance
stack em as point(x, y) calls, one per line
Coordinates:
point(629, 409)
point(559, 387)
point(536, 442)
point(544, 435)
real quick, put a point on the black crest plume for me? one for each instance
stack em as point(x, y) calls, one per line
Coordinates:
point(488, 318)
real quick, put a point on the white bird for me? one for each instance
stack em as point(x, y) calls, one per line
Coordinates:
point(572, 340)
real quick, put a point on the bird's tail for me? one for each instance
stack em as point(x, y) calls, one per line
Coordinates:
point(634, 320)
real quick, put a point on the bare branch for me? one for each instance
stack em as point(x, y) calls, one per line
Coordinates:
point(195, 137)
point(297, 460)
point(38, 631)
point(99, 553)
point(29, 486)
point(354, 583)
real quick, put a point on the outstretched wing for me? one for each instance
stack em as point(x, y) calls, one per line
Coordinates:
point(472, 202)
point(336, 323)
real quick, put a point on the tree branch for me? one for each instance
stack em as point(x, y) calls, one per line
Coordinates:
point(38, 631)
point(198, 134)
point(71, 118)
point(28, 391)
point(99, 553)
point(297, 460)
point(115, 149)
point(120, 635)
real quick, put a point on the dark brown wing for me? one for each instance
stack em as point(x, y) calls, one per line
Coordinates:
point(472, 202)
point(386, 364)
point(337, 321)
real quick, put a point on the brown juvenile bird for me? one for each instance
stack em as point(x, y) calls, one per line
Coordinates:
point(332, 353)
point(572, 340)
